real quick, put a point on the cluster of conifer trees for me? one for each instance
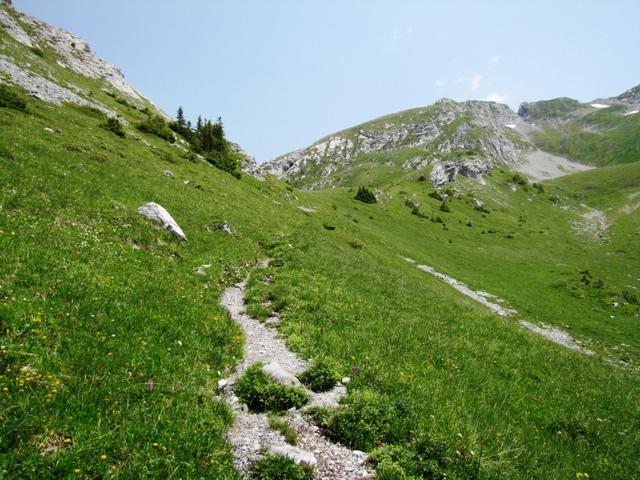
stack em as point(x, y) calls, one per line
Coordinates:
point(207, 139)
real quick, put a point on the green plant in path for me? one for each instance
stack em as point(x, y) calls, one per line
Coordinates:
point(261, 394)
point(273, 467)
point(364, 420)
point(281, 425)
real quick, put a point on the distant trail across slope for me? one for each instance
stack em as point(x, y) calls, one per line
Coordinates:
point(494, 304)
point(251, 435)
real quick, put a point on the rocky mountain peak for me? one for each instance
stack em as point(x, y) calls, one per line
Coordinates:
point(631, 96)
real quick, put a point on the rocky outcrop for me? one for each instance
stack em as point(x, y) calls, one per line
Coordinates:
point(631, 97)
point(44, 89)
point(248, 163)
point(445, 172)
point(73, 53)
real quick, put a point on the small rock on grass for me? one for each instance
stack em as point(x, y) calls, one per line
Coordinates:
point(296, 454)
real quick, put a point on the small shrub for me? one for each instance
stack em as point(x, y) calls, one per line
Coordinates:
point(37, 51)
point(155, 125)
point(321, 376)
point(356, 244)
point(364, 420)
point(262, 394)
point(328, 226)
point(435, 195)
point(365, 195)
point(281, 425)
point(520, 179)
point(13, 98)
point(444, 207)
point(426, 457)
point(114, 125)
point(539, 187)
point(630, 297)
point(274, 467)
point(225, 161)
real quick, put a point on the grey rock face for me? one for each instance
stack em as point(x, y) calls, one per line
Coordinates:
point(14, 29)
point(76, 56)
point(631, 96)
point(157, 213)
point(248, 163)
point(445, 172)
point(43, 89)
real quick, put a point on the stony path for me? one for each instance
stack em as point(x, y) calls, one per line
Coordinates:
point(251, 436)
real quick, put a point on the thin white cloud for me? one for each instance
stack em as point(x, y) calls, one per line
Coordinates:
point(476, 80)
point(400, 34)
point(497, 97)
point(439, 83)
point(495, 59)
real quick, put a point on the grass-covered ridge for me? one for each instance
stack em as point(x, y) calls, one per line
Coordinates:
point(603, 137)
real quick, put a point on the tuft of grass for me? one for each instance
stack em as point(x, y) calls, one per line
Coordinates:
point(281, 425)
point(275, 467)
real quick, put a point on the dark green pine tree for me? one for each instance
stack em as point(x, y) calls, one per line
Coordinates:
point(180, 119)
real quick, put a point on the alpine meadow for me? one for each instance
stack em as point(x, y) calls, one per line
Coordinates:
point(446, 292)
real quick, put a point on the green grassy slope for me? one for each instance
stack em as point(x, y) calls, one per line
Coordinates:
point(530, 408)
point(97, 303)
point(602, 137)
point(95, 300)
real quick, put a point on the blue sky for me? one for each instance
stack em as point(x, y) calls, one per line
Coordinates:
point(284, 73)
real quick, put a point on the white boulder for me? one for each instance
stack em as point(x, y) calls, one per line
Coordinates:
point(157, 213)
point(278, 374)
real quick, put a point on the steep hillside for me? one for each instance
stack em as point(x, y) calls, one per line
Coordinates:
point(113, 341)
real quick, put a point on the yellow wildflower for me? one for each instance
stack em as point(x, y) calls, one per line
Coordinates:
point(103, 457)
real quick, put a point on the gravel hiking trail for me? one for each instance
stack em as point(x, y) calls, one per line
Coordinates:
point(250, 436)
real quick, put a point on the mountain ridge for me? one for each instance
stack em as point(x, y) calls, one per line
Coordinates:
point(470, 138)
